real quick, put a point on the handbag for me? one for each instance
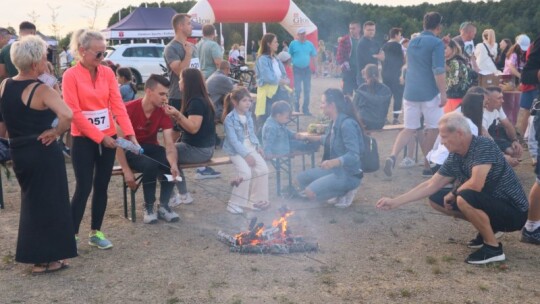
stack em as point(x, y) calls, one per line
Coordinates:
point(370, 157)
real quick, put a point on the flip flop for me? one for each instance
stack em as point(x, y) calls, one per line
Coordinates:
point(48, 269)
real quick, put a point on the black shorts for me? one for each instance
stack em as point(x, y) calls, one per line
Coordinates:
point(503, 215)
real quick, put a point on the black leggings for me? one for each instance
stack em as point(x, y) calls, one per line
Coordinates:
point(397, 92)
point(87, 157)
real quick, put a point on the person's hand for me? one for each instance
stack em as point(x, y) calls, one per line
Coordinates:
point(512, 161)
point(448, 200)
point(171, 111)
point(129, 177)
point(174, 171)
point(443, 100)
point(518, 149)
point(133, 139)
point(385, 203)
point(401, 80)
point(250, 160)
point(48, 137)
point(188, 47)
point(329, 164)
point(108, 142)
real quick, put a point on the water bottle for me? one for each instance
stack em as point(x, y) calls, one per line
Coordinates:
point(129, 146)
point(54, 124)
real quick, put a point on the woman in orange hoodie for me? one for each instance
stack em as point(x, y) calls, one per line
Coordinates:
point(91, 91)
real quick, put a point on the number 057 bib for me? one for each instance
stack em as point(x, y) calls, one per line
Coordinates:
point(99, 118)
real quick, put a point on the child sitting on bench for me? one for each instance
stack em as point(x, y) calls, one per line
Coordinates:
point(277, 138)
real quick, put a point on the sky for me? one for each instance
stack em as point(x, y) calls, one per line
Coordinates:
point(73, 14)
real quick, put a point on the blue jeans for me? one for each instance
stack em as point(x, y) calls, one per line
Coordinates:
point(326, 184)
point(302, 76)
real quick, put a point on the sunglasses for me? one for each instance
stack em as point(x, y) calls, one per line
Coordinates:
point(99, 54)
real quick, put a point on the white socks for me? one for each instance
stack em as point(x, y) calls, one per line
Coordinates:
point(532, 225)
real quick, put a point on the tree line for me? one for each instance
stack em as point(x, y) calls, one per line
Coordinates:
point(508, 18)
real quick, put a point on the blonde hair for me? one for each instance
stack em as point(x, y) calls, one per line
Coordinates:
point(27, 51)
point(488, 35)
point(83, 38)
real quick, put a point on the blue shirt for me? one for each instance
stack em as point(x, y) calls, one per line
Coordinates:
point(301, 53)
point(425, 59)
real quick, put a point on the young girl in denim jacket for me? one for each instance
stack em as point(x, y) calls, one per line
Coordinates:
point(242, 145)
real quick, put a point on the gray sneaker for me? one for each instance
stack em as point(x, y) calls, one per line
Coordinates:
point(165, 213)
point(149, 216)
point(98, 240)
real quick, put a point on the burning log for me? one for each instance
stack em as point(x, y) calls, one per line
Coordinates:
point(276, 239)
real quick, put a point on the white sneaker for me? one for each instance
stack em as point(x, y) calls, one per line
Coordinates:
point(346, 200)
point(165, 213)
point(332, 201)
point(234, 209)
point(407, 162)
point(174, 201)
point(149, 216)
point(186, 198)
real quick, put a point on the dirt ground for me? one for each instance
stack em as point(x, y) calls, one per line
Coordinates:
point(410, 255)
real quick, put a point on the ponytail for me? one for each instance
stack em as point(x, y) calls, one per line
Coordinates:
point(234, 96)
point(227, 106)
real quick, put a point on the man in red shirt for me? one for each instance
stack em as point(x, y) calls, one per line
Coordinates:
point(147, 117)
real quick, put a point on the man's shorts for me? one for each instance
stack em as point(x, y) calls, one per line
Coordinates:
point(413, 110)
point(503, 215)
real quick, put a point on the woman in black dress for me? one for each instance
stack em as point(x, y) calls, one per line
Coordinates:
point(29, 107)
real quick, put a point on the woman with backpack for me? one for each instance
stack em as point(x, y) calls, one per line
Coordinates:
point(337, 178)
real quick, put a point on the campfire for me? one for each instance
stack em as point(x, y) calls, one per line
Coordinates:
point(277, 239)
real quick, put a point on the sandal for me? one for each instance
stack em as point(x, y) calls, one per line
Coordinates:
point(49, 267)
point(261, 205)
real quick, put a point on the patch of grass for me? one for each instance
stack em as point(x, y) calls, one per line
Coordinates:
point(410, 270)
point(436, 270)
point(483, 287)
point(215, 284)
point(333, 221)
point(310, 269)
point(254, 269)
point(8, 259)
point(448, 259)
point(236, 301)
point(292, 284)
point(328, 280)
point(328, 269)
point(173, 300)
point(405, 293)
point(284, 300)
point(468, 271)
point(407, 227)
point(431, 260)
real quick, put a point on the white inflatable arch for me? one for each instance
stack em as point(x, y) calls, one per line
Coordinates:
point(284, 12)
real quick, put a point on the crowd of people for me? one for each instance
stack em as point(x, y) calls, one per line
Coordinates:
point(470, 145)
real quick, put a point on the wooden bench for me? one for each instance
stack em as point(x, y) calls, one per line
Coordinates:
point(117, 171)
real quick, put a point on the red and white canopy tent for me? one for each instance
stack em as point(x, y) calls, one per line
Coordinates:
point(284, 12)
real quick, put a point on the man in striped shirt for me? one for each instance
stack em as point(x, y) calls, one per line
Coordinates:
point(486, 191)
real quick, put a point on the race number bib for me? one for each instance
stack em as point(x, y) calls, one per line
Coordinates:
point(195, 63)
point(99, 118)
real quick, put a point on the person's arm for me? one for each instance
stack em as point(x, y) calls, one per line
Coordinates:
point(3, 71)
point(512, 135)
point(171, 152)
point(265, 71)
point(51, 99)
point(191, 123)
point(217, 55)
point(352, 141)
point(425, 189)
point(512, 66)
point(176, 64)
point(439, 71)
point(232, 138)
point(118, 108)
point(478, 178)
point(129, 177)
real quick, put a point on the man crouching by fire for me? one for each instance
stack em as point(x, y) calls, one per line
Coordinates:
point(486, 191)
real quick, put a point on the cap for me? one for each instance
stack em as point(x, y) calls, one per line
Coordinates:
point(284, 56)
point(524, 42)
point(301, 30)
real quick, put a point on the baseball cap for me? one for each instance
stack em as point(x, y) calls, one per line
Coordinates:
point(301, 30)
point(524, 42)
point(284, 56)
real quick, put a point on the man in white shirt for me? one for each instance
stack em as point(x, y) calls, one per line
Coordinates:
point(496, 125)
